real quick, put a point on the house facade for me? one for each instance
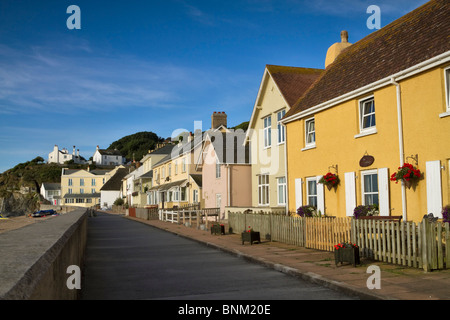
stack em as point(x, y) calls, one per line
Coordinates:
point(62, 156)
point(51, 192)
point(226, 170)
point(176, 180)
point(383, 102)
point(111, 190)
point(143, 177)
point(280, 88)
point(104, 157)
point(81, 187)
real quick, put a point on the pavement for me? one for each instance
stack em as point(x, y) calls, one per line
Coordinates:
point(395, 282)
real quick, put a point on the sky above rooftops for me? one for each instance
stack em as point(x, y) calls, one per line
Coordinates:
point(152, 65)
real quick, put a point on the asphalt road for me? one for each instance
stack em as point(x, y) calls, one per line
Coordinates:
point(128, 260)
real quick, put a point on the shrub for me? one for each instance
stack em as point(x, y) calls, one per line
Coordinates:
point(119, 202)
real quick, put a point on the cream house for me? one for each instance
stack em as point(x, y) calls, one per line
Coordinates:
point(280, 88)
point(176, 180)
point(81, 187)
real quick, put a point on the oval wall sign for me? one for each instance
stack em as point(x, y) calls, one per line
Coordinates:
point(366, 161)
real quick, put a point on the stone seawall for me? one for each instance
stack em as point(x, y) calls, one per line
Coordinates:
point(34, 259)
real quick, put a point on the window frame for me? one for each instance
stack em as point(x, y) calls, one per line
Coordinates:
point(369, 193)
point(447, 88)
point(218, 169)
point(307, 132)
point(267, 131)
point(309, 195)
point(281, 133)
point(363, 116)
point(263, 190)
point(283, 187)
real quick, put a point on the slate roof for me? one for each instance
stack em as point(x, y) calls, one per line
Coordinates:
point(105, 152)
point(197, 179)
point(115, 182)
point(229, 148)
point(414, 38)
point(51, 186)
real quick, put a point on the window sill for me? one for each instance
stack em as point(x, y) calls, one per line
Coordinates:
point(313, 146)
point(445, 114)
point(366, 133)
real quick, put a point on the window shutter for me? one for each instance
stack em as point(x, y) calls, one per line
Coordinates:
point(383, 191)
point(298, 193)
point(434, 191)
point(320, 196)
point(350, 193)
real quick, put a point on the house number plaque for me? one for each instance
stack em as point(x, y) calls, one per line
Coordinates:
point(366, 160)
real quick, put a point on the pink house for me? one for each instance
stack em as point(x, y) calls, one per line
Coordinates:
point(226, 170)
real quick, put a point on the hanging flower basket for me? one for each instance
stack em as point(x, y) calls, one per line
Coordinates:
point(408, 174)
point(330, 180)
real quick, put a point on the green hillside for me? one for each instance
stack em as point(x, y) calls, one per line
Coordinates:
point(135, 146)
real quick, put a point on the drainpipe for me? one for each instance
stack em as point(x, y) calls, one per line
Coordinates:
point(400, 141)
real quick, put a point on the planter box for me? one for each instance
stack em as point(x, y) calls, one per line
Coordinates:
point(251, 237)
point(217, 229)
point(350, 255)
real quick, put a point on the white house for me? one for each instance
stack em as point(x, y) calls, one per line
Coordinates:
point(61, 156)
point(111, 189)
point(52, 192)
point(104, 157)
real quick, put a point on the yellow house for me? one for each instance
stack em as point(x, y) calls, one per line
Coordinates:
point(81, 188)
point(383, 102)
point(176, 180)
point(279, 89)
point(143, 175)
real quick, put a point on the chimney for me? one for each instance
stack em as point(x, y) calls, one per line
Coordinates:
point(337, 48)
point(78, 153)
point(73, 152)
point(97, 148)
point(218, 119)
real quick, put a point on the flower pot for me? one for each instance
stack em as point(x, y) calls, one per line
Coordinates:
point(217, 229)
point(250, 237)
point(350, 255)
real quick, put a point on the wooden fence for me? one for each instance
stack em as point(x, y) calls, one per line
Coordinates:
point(423, 245)
point(189, 215)
point(144, 213)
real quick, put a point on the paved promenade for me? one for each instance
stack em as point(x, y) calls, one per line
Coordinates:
point(397, 282)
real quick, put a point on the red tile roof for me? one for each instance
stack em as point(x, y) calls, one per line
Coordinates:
point(416, 37)
point(293, 82)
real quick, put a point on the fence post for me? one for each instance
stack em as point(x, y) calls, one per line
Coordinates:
point(425, 237)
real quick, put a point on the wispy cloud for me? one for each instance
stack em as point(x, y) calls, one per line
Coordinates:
point(43, 78)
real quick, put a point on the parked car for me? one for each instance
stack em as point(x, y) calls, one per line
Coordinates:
point(43, 213)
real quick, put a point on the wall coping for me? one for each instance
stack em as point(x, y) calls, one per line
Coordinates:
point(27, 253)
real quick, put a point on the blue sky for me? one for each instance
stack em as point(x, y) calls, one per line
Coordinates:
point(152, 65)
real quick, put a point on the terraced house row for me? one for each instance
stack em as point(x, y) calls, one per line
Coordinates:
point(333, 138)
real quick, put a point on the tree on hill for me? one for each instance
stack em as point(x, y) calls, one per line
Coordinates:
point(135, 146)
point(243, 126)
